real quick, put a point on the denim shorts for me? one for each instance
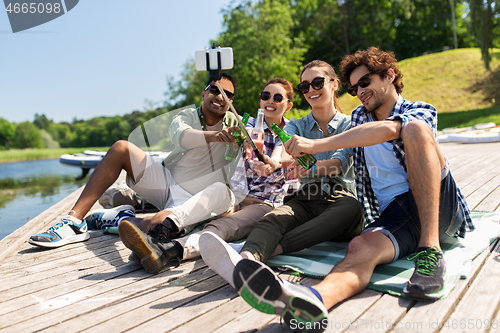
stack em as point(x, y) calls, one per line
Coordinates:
point(400, 221)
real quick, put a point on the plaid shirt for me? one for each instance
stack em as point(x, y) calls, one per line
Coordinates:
point(245, 181)
point(405, 111)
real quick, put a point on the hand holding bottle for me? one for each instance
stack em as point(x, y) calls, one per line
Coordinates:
point(299, 146)
point(304, 159)
point(264, 169)
point(233, 149)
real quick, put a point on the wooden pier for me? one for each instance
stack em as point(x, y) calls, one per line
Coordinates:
point(91, 286)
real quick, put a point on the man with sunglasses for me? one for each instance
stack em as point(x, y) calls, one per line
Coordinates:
point(200, 136)
point(411, 202)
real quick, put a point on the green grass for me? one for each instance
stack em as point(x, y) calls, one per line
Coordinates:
point(469, 118)
point(14, 155)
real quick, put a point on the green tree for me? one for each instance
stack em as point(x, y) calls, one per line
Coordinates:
point(485, 21)
point(334, 28)
point(48, 141)
point(118, 129)
point(27, 135)
point(61, 132)
point(81, 134)
point(41, 121)
point(7, 131)
point(261, 35)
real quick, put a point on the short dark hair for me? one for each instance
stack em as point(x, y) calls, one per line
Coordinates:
point(229, 77)
point(376, 60)
point(285, 84)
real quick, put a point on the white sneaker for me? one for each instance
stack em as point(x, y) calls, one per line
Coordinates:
point(218, 255)
point(66, 230)
point(261, 288)
point(105, 218)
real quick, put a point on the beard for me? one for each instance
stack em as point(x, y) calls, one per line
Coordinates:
point(375, 102)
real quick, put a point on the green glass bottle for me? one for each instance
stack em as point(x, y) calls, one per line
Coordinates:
point(232, 150)
point(307, 161)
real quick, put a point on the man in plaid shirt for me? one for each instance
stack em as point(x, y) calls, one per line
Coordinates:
point(410, 199)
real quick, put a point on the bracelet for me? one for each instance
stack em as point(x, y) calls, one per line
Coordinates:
point(313, 168)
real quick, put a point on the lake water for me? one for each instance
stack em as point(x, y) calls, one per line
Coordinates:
point(28, 188)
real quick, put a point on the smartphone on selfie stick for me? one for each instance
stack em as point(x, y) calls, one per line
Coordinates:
point(214, 60)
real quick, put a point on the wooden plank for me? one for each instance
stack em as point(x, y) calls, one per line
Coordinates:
point(475, 198)
point(481, 300)
point(480, 168)
point(73, 304)
point(477, 182)
point(60, 294)
point(344, 314)
point(37, 256)
point(48, 270)
point(215, 318)
point(378, 318)
point(491, 202)
point(461, 166)
point(494, 324)
point(249, 321)
point(112, 262)
point(110, 316)
point(165, 315)
point(458, 155)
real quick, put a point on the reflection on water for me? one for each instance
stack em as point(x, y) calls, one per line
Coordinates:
point(28, 188)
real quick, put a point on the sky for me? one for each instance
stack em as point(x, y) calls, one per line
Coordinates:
point(102, 58)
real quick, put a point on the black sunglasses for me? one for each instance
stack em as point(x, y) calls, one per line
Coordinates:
point(363, 82)
point(215, 91)
point(265, 95)
point(317, 84)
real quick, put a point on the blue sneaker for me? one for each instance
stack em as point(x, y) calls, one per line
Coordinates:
point(261, 288)
point(104, 218)
point(66, 230)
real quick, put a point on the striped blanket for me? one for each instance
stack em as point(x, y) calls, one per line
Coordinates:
point(318, 260)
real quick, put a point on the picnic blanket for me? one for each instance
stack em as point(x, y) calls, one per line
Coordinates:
point(318, 260)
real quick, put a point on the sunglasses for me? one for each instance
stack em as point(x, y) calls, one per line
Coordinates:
point(363, 82)
point(265, 95)
point(215, 91)
point(317, 84)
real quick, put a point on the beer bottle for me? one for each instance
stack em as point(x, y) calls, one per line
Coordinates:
point(232, 149)
point(307, 161)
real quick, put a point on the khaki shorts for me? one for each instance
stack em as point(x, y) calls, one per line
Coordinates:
point(156, 185)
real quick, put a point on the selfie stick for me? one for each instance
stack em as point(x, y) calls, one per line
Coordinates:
point(247, 136)
point(214, 75)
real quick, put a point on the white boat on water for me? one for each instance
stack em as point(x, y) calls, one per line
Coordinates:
point(480, 133)
point(89, 159)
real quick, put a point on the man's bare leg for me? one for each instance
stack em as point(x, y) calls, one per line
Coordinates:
point(352, 274)
point(121, 156)
point(424, 162)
